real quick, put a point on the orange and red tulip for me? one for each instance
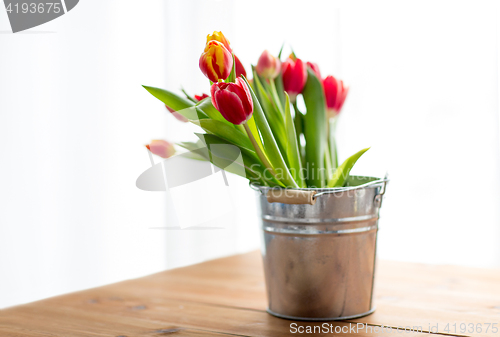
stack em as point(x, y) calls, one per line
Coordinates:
point(216, 62)
point(218, 36)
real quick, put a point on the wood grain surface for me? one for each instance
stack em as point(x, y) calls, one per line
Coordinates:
point(226, 297)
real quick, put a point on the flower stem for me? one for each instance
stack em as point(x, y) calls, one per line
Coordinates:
point(262, 155)
point(299, 129)
point(332, 124)
point(276, 99)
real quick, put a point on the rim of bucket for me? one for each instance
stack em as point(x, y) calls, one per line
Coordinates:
point(322, 190)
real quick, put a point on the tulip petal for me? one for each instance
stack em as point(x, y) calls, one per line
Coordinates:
point(240, 70)
point(294, 76)
point(216, 61)
point(206, 105)
point(161, 148)
point(244, 94)
point(219, 60)
point(230, 106)
point(218, 36)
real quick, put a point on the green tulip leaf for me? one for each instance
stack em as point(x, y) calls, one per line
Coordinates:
point(292, 147)
point(209, 139)
point(342, 172)
point(188, 97)
point(190, 146)
point(172, 100)
point(315, 130)
point(255, 132)
point(180, 104)
point(230, 153)
point(272, 114)
point(278, 83)
point(232, 74)
point(226, 132)
point(193, 155)
point(270, 145)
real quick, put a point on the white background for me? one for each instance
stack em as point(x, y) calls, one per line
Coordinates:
point(74, 119)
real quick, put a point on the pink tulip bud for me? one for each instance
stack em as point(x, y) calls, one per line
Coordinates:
point(233, 100)
point(268, 66)
point(161, 148)
point(335, 94)
point(177, 115)
point(294, 77)
point(314, 67)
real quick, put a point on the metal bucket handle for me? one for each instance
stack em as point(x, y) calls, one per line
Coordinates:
point(309, 196)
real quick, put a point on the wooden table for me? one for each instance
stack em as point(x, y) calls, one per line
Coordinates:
point(226, 297)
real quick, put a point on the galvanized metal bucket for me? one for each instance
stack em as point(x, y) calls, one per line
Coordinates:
point(319, 249)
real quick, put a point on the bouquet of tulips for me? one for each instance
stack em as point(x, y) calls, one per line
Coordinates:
point(278, 147)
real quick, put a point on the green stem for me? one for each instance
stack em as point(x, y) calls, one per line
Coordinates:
point(276, 98)
point(297, 120)
point(328, 165)
point(240, 128)
point(270, 145)
point(332, 123)
point(299, 129)
point(262, 155)
point(189, 97)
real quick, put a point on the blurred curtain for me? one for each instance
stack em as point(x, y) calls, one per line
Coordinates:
point(73, 124)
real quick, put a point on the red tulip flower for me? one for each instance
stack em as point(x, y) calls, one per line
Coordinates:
point(335, 94)
point(161, 148)
point(239, 69)
point(294, 77)
point(216, 62)
point(314, 67)
point(268, 66)
point(233, 100)
point(200, 98)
